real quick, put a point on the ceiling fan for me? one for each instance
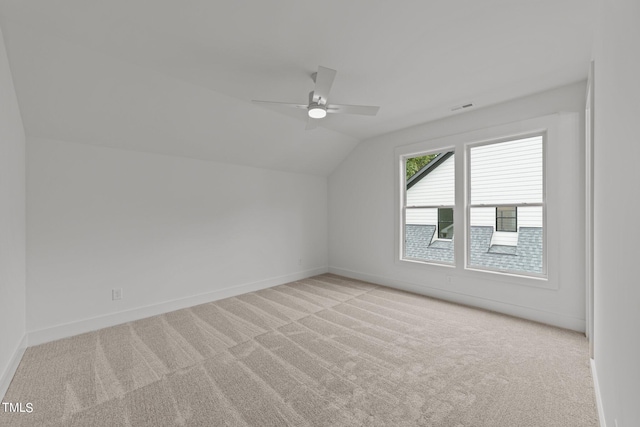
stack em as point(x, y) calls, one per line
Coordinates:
point(317, 108)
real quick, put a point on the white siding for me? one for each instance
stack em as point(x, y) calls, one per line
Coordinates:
point(426, 216)
point(530, 216)
point(483, 217)
point(507, 172)
point(435, 189)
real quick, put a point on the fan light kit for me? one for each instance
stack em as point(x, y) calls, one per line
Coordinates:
point(316, 111)
point(317, 108)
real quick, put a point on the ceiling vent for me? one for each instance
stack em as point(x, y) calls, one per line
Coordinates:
point(461, 107)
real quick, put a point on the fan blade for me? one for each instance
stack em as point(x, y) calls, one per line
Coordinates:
point(312, 123)
point(365, 110)
point(324, 81)
point(282, 104)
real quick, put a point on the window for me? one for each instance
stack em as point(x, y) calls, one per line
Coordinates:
point(428, 206)
point(480, 197)
point(445, 223)
point(507, 218)
point(506, 206)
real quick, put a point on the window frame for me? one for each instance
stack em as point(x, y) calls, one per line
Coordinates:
point(403, 206)
point(543, 204)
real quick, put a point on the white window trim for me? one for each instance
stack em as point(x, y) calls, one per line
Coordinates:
point(554, 129)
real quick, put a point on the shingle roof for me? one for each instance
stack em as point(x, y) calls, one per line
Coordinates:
point(418, 244)
point(527, 256)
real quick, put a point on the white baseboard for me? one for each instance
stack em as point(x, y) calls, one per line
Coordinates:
point(549, 318)
point(596, 387)
point(12, 367)
point(91, 324)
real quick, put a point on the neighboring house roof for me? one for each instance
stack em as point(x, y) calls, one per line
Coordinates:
point(418, 244)
point(426, 169)
point(527, 256)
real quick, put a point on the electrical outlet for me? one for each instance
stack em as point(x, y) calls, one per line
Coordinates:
point(449, 280)
point(116, 294)
point(299, 261)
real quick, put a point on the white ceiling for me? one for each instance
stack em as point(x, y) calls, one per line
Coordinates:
point(177, 77)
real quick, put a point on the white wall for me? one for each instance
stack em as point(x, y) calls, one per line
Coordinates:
point(617, 150)
point(12, 226)
point(362, 229)
point(164, 229)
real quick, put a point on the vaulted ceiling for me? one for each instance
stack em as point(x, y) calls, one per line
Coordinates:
point(177, 77)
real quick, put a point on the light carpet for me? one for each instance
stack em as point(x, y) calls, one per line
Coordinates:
point(324, 351)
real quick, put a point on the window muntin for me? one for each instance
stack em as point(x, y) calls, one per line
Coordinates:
point(429, 199)
point(506, 206)
point(507, 218)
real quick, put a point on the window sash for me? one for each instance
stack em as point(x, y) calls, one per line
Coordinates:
point(405, 206)
point(531, 203)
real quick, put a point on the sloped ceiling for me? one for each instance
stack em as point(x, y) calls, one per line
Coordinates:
point(177, 77)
